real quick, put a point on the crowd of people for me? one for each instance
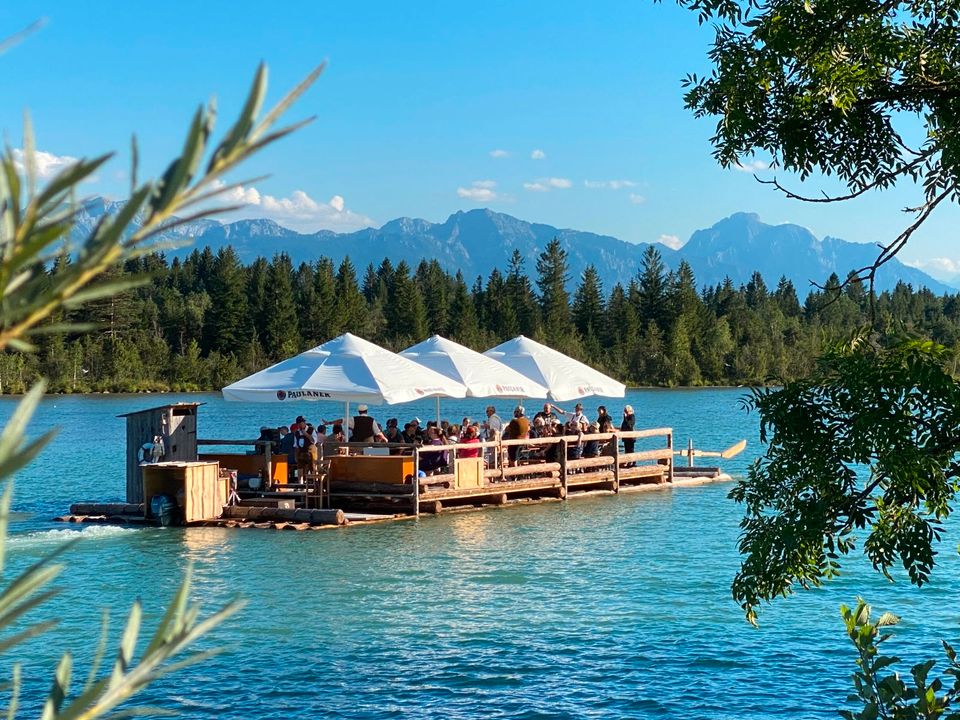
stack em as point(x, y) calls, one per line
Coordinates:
point(305, 443)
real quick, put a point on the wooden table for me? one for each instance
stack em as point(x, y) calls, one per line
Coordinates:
point(391, 469)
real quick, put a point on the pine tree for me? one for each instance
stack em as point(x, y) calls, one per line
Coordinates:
point(351, 310)
point(651, 288)
point(786, 298)
point(406, 313)
point(257, 299)
point(281, 331)
point(433, 284)
point(756, 291)
point(552, 279)
point(225, 325)
point(324, 309)
point(588, 310)
point(464, 328)
point(522, 298)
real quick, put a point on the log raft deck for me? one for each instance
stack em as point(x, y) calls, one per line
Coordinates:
point(362, 482)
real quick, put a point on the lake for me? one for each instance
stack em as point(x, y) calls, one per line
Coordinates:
point(600, 607)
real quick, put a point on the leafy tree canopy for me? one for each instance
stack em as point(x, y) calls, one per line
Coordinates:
point(866, 443)
point(836, 87)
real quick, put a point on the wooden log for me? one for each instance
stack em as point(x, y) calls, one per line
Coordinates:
point(613, 450)
point(320, 516)
point(446, 479)
point(533, 469)
point(653, 432)
point(499, 499)
point(602, 476)
point(600, 461)
point(663, 454)
point(91, 508)
point(434, 507)
point(564, 473)
point(627, 475)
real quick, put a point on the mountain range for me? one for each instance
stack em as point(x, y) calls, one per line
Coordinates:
point(476, 241)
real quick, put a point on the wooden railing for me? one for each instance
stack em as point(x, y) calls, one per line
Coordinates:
point(611, 467)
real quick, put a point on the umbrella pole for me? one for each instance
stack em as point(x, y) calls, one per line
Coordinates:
point(437, 398)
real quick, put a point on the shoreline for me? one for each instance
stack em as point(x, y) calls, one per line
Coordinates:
point(145, 393)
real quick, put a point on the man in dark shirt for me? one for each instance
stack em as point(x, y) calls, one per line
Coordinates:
point(547, 414)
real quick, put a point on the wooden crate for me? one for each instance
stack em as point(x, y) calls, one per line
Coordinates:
point(468, 473)
point(199, 490)
point(392, 469)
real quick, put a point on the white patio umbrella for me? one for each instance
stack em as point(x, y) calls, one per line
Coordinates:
point(564, 377)
point(346, 369)
point(481, 375)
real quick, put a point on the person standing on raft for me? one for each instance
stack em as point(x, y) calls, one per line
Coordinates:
point(363, 428)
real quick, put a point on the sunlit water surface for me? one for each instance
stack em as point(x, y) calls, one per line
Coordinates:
point(602, 607)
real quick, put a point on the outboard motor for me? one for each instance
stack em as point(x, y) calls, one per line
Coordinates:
point(164, 508)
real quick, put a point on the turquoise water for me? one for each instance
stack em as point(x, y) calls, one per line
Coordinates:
point(595, 608)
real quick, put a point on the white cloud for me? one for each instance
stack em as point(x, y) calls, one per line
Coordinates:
point(637, 199)
point(47, 163)
point(752, 167)
point(671, 241)
point(939, 267)
point(609, 184)
point(482, 191)
point(538, 154)
point(298, 212)
point(498, 153)
point(548, 184)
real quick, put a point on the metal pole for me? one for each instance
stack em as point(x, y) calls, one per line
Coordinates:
point(690, 452)
point(437, 398)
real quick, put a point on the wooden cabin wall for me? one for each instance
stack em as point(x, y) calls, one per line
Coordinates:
point(177, 425)
point(141, 429)
point(181, 444)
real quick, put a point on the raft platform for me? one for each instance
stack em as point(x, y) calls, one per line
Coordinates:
point(359, 483)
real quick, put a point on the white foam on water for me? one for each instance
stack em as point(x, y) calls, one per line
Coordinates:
point(57, 537)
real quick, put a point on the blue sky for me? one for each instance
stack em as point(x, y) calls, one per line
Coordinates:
point(583, 101)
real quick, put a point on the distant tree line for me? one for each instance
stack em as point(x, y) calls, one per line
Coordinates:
point(208, 320)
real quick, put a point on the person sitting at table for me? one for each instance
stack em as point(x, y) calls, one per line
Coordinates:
point(363, 428)
point(469, 437)
point(591, 448)
point(409, 434)
point(574, 449)
point(392, 432)
point(431, 462)
point(536, 430)
point(552, 452)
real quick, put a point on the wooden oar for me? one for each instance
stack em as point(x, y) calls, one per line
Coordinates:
point(734, 450)
point(730, 452)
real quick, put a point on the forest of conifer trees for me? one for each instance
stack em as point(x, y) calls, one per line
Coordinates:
point(206, 321)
